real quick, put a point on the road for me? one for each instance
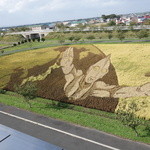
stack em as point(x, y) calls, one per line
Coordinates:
point(63, 134)
point(69, 44)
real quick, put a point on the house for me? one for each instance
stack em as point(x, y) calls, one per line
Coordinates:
point(75, 23)
point(39, 27)
point(141, 20)
point(147, 16)
point(65, 23)
point(52, 26)
point(134, 19)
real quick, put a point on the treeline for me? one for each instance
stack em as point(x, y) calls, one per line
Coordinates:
point(111, 16)
point(97, 35)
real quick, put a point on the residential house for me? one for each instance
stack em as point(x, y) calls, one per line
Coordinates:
point(75, 23)
point(39, 27)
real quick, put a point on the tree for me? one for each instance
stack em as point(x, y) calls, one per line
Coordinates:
point(132, 23)
point(142, 34)
point(22, 41)
point(2, 51)
point(60, 26)
point(38, 39)
point(43, 39)
point(28, 91)
point(104, 17)
point(71, 38)
point(81, 26)
point(111, 16)
point(146, 22)
point(111, 23)
point(110, 35)
point(33, 40)
point(14, 44)
point(128, 118)
point(77, 38)
point(2, 91)
point(90, 37)
point(120, 36)
point(29, 40)
point(61, 40)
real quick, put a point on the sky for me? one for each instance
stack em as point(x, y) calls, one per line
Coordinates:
point(22, 12)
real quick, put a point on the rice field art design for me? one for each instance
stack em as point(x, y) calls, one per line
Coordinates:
point(83, 75)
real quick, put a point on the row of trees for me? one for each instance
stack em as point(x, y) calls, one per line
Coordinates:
point(83, 36)
point(111, 16)
point(29, 40)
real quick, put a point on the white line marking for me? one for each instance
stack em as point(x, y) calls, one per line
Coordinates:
point(51, 128)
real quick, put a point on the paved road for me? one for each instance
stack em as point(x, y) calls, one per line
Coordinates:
point(52, 45)
point(65, 135)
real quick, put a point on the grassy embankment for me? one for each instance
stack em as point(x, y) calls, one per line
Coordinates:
point(54, 38)
point(99, 120)
point(131, 63)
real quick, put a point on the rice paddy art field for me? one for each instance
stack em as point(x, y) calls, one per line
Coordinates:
point(131, 63)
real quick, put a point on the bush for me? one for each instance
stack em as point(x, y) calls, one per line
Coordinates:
point(19, 43)
point(29, 40)
point(22, 42)
point(2, 51)
point(128, 118)
point(33, 40)
point(71, 38)
point(77, 38)
point(111, 23)
point(142, 34)
point(14, 44)
point(43, 39)
point(2, 91)
point(110, 36)
point(120, 36)
point(91, 37)
point(61, 40)
point(38, 39)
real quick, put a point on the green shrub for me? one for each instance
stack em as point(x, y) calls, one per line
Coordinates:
point(2, 91)
point(90, 37)
point(128, 118)
point(29, 40)
point(71, 38)
point(22, 42)
point(14, 44)
point(142, 34)
point(43, 39)
point(38, 39)
point(110, 36)
point(2, 51)
point(120, 36)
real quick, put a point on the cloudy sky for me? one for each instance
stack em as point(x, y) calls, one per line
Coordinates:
point(20, 12)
